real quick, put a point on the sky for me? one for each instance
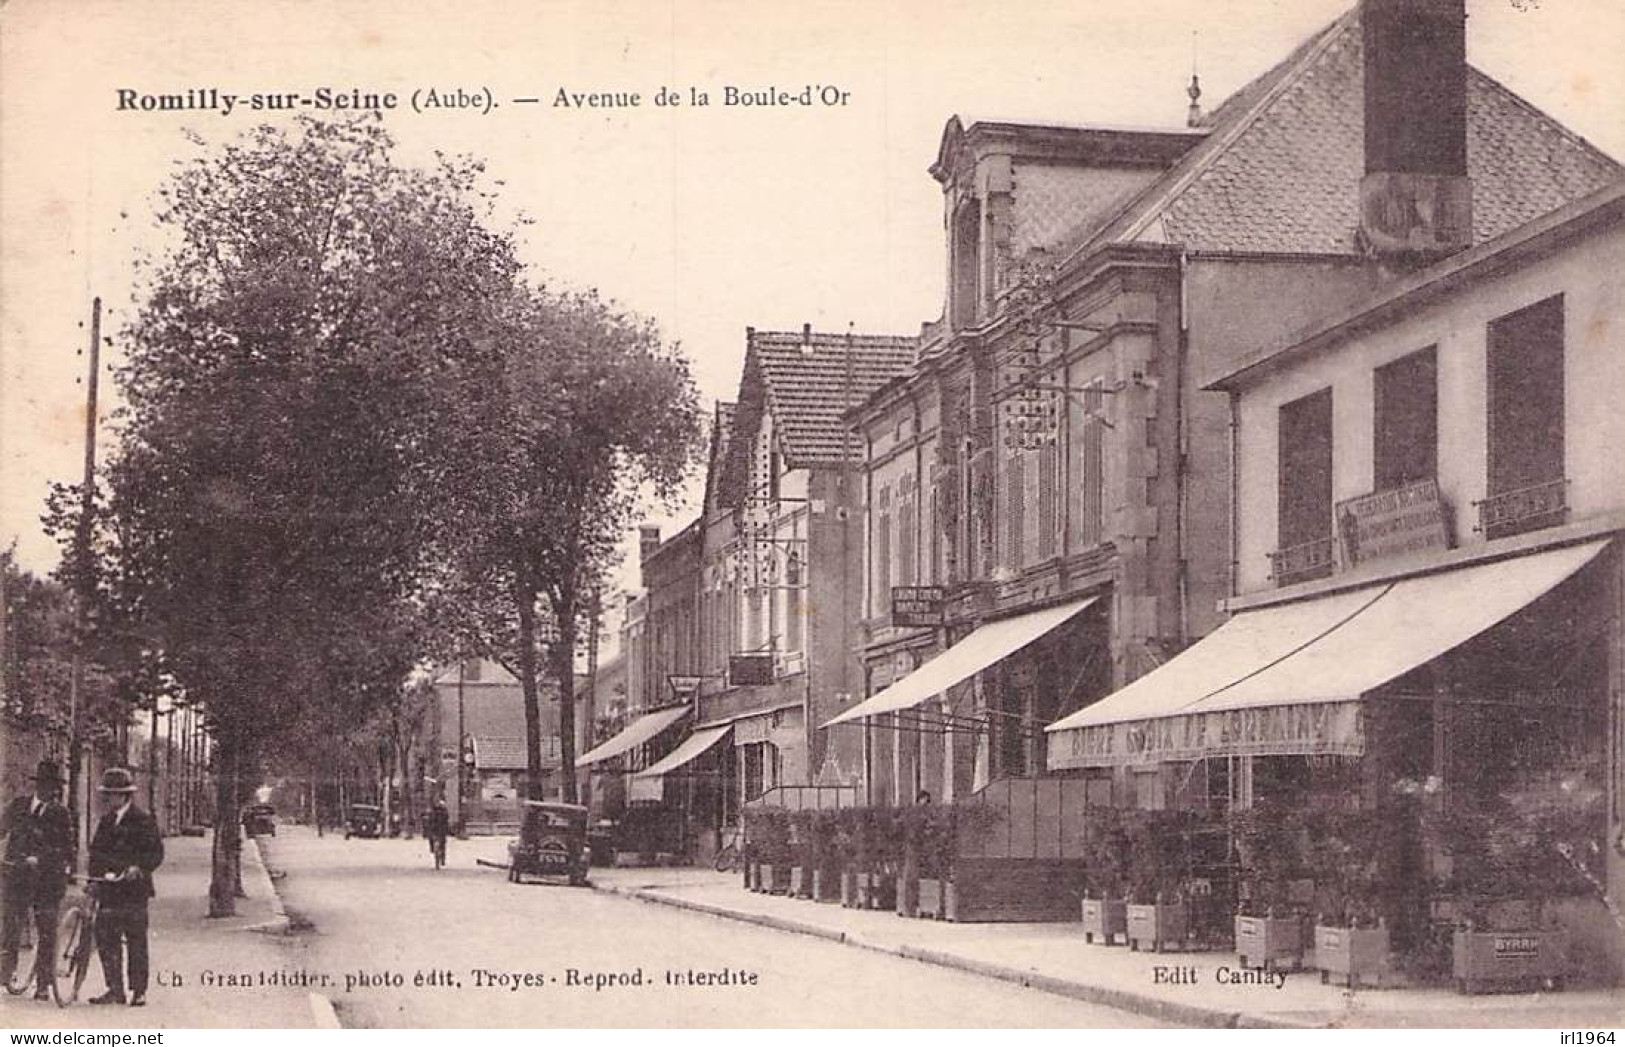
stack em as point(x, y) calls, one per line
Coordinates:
point(707, 219)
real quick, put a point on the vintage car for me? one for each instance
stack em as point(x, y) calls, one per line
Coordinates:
point(365, 820)
point(259, 819)
point(552, 842)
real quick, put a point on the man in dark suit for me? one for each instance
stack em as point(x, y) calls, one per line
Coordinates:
point(39, 849)
point(125, 851)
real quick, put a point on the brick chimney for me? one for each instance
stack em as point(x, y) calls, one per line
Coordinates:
point(1415, 198)
point(648, 541)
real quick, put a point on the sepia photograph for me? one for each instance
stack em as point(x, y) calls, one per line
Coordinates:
point(725, 515)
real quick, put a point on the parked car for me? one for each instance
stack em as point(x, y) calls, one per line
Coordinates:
point(365, 820)
point(552, 842)
point(259, 819)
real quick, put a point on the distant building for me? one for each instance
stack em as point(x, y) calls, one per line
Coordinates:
point(479, 718)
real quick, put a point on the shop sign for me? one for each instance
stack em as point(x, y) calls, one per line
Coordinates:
point(750, 670)
point(916, 606)
point(1280, 730)
point(1404, 520)
point(1516, 946)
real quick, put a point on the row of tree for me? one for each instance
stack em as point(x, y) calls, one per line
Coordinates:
point(357, 436)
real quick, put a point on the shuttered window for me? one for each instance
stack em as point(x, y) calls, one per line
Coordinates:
point(1048, 458)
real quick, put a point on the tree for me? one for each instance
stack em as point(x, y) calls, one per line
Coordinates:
point(585, 411)
point(272, 501)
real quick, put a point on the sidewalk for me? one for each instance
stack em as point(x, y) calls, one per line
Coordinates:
point(1054, 957)
point(184, 945)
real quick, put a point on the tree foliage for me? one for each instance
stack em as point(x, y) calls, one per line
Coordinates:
point(271, 500)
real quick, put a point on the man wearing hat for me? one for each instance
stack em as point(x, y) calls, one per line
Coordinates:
point(125, 851)
point(39, 849)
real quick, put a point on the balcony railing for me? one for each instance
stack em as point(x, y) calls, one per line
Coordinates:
point(1526, 509)
point(1303, 562)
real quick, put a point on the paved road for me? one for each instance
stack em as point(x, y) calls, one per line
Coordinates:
point(515, 956)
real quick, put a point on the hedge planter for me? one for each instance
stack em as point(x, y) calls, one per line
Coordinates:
point(908, 895)
point(1269, 941)
point(932, 898)
point(1490, 961)
point(881, 892)
point(763, 879)
point(1356, 954)
point(800, 881)
point(750, 876)
point(851, 891)
point(1105, 918)
point(1158, 926)
point(778, 879)
point(826, 885)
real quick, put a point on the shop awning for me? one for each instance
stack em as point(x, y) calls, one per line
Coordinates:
point(982, 648)
point(635, 734)
point(692, 747)
point(1287, 679)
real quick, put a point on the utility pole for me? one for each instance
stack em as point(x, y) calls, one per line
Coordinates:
point(462, 791)
point(76, 678)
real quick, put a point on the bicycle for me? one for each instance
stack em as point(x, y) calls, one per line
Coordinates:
point(28, 959)
point(730, 856)
point(76, 940)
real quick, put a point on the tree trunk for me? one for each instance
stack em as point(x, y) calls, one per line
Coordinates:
point(222, 896)
point(564, 668)
point(525, 598)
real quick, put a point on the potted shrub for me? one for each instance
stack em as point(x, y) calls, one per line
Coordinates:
point(912, 821)
point(1106, 858)
point(826, 857)
point(937, 838)
point(885, 857)
point(1507, 861)
point(1351, 854)
point(770, 829)
point(850, 847)
point(1269, 849)
point(1157, 914)
point(803, 854)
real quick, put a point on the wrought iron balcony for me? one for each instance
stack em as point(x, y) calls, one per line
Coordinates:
point(1526, 509)
point(1303, 562)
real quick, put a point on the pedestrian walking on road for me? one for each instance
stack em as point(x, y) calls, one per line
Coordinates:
point(437, 826)
point(124, 853)
point(39, 849)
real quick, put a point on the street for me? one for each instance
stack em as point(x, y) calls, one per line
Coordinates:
point(484, 952)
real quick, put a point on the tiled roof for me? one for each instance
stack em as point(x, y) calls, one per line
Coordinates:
point(502, 753)
point(1280, 171)
point(807, 385)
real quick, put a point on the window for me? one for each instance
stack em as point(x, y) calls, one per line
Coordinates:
point(1048, 456)
point(1015, 511)
point(1405, 422)
point(1525, 484)
point(1092, 489)
point(754, 775)
point(1304, 497)
point(793, 597)
point(882, 561)
point(905, 533)
point(967, 260)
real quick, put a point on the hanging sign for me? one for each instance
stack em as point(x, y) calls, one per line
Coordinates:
point(917, 605)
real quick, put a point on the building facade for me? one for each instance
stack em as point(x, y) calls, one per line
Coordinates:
point(1053, 454)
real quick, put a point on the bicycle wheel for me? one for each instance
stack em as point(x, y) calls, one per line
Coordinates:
point(75, 941)
point(726, 859)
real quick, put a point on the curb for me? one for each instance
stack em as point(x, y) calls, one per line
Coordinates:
point(1134, 1003)
point(280, 924)
point(321, 1009)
